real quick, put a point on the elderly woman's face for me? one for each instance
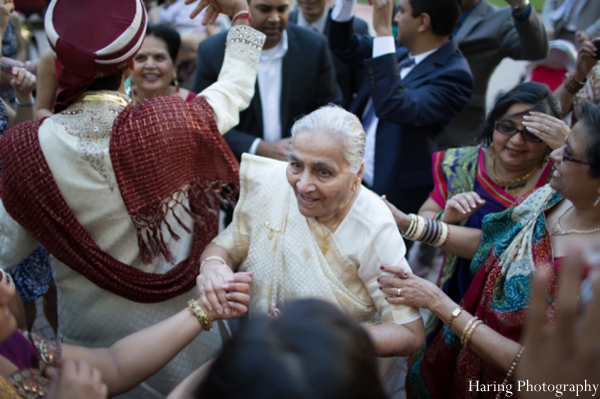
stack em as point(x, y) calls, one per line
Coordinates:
point(154, 69)
point(572, 177)
point(320, 175)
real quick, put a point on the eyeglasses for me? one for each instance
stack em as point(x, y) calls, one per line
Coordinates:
point(566, 156)
point(508, 129)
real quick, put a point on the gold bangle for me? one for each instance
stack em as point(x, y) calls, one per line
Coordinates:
point(455, 313)
point(212, 258)
point(472, 331)
point(467, 328)
point(195, 309)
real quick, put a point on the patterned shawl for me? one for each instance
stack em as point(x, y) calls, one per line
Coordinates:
point(515, 243)
point(460, 170)
point(160, 148)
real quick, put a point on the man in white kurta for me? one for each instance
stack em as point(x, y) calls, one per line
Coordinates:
point(75, 145)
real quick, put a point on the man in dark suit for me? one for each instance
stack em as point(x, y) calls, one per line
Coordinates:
point(486, 34)
point(295, 77)
point(314, 14)
point(404, 109)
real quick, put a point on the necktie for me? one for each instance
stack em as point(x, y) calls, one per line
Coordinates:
point(405, 63)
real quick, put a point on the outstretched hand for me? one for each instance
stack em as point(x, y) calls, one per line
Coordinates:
point(461, 206)
point(215, 7)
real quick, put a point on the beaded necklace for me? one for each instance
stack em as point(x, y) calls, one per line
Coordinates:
point(558, 230)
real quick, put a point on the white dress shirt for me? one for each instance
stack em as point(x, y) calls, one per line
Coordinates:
point(269, 86)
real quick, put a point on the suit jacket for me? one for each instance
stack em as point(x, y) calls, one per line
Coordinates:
point(307, 83)
point(486, 37)
point(348, 77)
point(412, 111)
point(588, 19)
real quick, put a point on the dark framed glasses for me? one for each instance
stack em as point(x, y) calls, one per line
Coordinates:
point(509, 129)
point(568, 157)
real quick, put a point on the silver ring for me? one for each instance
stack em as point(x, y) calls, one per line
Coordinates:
point(399, 291)
point(547, 129)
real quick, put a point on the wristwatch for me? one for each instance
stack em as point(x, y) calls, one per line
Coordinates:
point(455, 313)
point(520, 8)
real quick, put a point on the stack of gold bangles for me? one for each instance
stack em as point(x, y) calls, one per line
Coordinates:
point(195, 308)
point(427, 231)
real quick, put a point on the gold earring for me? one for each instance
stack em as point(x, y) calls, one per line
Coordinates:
point(546, 157)
point(175, 81)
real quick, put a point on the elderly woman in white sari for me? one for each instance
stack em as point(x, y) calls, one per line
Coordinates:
point(307, 228)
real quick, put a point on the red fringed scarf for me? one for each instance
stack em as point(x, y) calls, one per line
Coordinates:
point(161, 147)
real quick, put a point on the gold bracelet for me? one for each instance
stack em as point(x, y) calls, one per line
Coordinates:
point(511, 371)
point(212, 258)
point(195, 309)
point(455, 313)
point(472, 331)
point(467, 328)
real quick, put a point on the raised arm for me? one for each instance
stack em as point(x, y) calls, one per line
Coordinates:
point(234, 89)
point(586, 60)
point(524, 36)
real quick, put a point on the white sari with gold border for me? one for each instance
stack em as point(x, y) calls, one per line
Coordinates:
point(270, 237)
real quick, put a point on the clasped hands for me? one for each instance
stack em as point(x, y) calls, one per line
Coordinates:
point(223, 294)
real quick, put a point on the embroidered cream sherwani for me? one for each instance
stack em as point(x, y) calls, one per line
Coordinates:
point(75, 145)
point(269, 236)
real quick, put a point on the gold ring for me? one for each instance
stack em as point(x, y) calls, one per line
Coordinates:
point(399, 291)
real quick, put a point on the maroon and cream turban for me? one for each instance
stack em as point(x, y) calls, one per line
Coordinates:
point(91, 39)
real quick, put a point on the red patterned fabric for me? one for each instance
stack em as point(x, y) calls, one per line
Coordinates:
point(158, 148)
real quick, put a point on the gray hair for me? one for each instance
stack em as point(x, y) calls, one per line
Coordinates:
point(336, 120)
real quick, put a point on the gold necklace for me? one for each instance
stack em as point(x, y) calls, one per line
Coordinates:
point(325, 245)
point(514, 185)
point(105, 97)
point(558, 230)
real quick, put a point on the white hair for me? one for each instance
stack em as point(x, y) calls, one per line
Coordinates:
point(334, 119)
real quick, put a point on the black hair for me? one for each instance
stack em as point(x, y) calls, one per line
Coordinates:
point(590, 117)
point(537, 95)
point(108, 82)
point(442, 13)
point(167, 34)
point(312, 350)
